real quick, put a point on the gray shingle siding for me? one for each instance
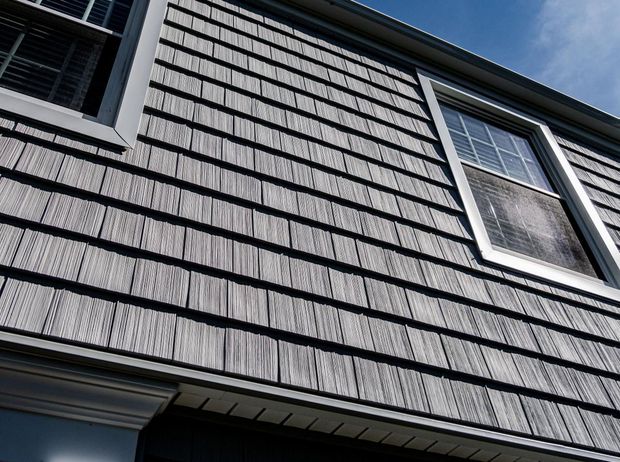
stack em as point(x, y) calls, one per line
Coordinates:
point(287, 215)
point(599, 172)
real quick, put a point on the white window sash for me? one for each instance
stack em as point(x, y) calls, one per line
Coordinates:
point(80, 23)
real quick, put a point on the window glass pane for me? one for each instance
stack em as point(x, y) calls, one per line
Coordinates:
point(502, 139)
point(494, 148)
point(111, 14)
point(476, 129)
point(39, 58)
point(529, 222)
point(524, 148)
point(488, 156)
point(452, 118)
point(537, 175)
point(117, 15)
point(464, 147)
point(11, 28)
point(515, 166)
point(75, 8)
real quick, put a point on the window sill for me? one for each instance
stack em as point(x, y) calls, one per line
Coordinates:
point(59, 117)
point(548, 272)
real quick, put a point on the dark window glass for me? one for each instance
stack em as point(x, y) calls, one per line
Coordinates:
point(523, 220)
point(45, 63)
point(56, 60)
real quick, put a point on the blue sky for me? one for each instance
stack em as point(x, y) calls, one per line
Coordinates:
point(570, 45)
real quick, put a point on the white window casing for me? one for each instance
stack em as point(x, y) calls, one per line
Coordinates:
point(118, 119)
point(583, 211)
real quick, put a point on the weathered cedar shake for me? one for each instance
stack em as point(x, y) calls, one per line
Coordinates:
point(288, 216)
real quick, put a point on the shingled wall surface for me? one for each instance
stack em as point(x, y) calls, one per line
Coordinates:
point(288, 216)
point(599, 172)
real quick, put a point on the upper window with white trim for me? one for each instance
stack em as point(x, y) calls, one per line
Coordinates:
point(520, 209)
point(76, 58)
point(527, 209)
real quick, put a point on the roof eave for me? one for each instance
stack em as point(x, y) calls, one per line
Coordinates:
point(410, 40)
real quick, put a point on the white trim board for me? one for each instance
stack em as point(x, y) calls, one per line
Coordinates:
point(54, 388)
point(582, 209)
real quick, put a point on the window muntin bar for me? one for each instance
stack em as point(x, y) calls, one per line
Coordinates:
point(109, 14)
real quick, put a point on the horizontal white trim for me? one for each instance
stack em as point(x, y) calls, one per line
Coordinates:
point(160, 371)
point(597, 235)
point(53, 388)
point(57, 117)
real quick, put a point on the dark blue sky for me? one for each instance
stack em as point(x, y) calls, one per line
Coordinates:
point(550, 41)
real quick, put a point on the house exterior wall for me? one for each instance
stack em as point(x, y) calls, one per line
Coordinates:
point(287, 216)
point(598, 171)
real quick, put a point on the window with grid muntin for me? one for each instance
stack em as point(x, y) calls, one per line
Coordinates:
point(520, 209)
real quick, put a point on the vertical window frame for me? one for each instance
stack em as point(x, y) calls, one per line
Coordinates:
point(561, 174)
point(118, 120)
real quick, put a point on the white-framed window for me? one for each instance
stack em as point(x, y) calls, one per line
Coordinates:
point(527, 209)
point(80, 65)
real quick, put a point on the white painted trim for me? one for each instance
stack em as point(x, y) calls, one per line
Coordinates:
point(121, 108)
point(57, 117)
point(127, 120)
point(55, 388)
point(201, 379)
point(597, 235)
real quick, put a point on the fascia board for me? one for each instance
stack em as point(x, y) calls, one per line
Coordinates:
point(410, 41)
